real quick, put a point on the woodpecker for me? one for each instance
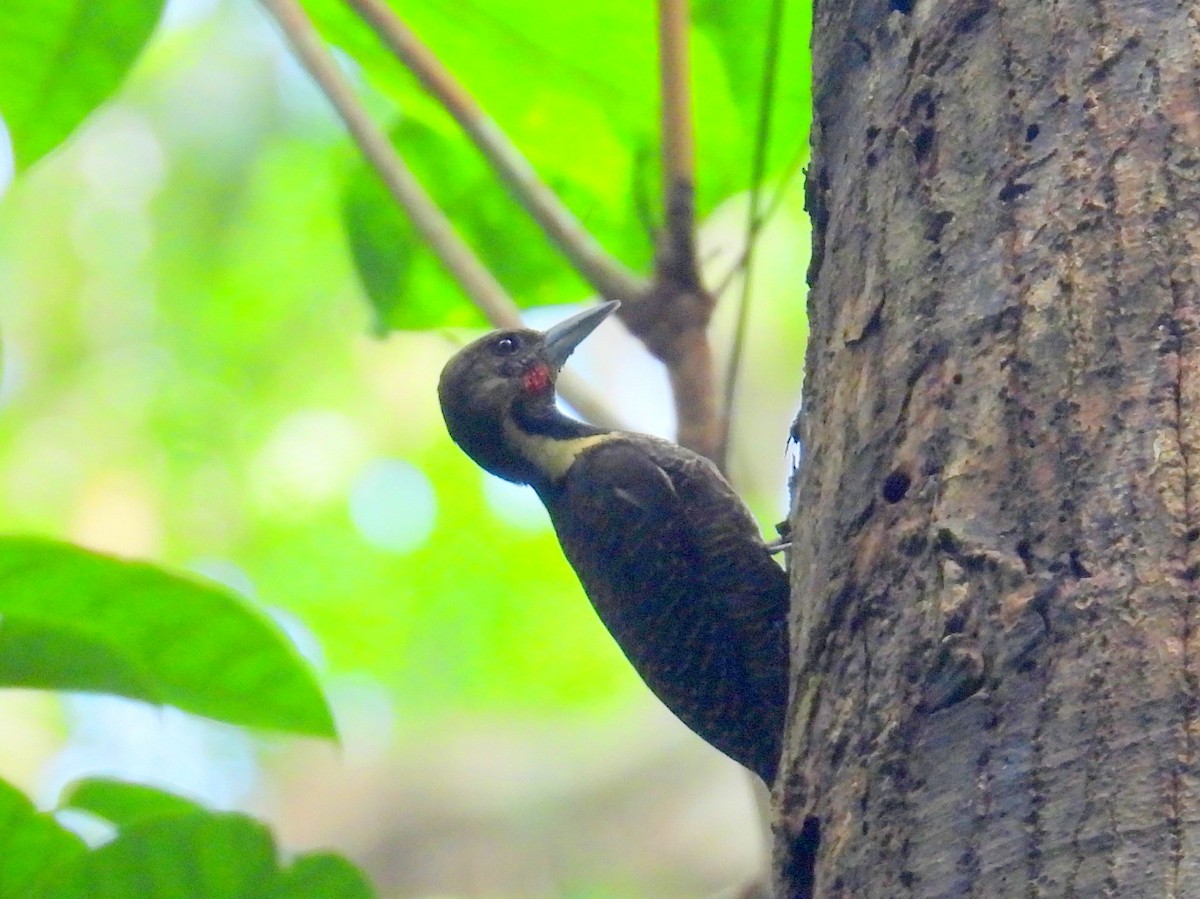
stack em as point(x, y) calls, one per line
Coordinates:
point(666, 551)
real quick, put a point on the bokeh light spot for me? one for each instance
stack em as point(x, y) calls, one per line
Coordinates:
point(121, 159)
point(393, 506)
point(309, 459)
point(118, 512)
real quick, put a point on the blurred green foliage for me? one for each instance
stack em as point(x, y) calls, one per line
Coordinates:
point(61, 59)
point(75, 620)
point(187, 373)
point(186, 355)
point(164, 847)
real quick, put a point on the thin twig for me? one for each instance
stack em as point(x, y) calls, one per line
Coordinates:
point(754, 221)
point(458, 258)
point(600, 269)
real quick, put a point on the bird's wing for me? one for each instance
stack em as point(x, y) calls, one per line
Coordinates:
point(721, 526)
point(624, 528)
point(748, 584)
point(688, 601)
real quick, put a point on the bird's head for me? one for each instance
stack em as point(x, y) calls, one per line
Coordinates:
point(501, 386)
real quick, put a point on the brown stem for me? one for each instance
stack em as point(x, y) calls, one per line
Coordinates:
point(692, 380)
point(675, 258)
point(672, 317)
point(678, 146)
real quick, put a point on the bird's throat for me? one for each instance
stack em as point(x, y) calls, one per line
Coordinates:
point(549, 440)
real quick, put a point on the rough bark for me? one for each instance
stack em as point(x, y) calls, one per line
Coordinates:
point(996, 524)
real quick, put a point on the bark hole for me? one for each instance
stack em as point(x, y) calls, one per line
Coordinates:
point(1025, 554)
point(933, 233)
point(1014, 189)
point(896, 484)
point(923, 143)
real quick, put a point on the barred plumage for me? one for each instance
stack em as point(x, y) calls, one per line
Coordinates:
point(666, 551)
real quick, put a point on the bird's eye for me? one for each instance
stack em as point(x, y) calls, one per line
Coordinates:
point(506, 346)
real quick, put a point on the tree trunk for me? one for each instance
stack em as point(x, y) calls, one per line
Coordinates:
point(996, 528)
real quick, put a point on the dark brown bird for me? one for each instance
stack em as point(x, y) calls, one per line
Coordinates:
point(668, 554)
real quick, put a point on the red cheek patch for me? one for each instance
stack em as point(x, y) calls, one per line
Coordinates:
point(537, 379)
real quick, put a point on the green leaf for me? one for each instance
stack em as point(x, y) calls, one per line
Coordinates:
point(322, 875)
point(200, 855)
point(124, 804)
point(574, 85)
point(31, 843)
point(402, 279)
point(58, 655)
point(77, 620)
point(576, 96)
point(60, 59)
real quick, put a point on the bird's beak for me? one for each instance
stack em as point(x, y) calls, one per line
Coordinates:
point(561, 340)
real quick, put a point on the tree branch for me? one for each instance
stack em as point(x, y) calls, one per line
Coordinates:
point(675, 259)
point(604, 272)
point(672, 319)
point(458, 258)
point(668, 314)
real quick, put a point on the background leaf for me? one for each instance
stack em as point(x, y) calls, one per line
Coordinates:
point(60, 59)
point(199, 855)
point(399, 272)
point(108, 625)
point(31, 843)
point(124, 804)
point(572, 85)
point(321, 875)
